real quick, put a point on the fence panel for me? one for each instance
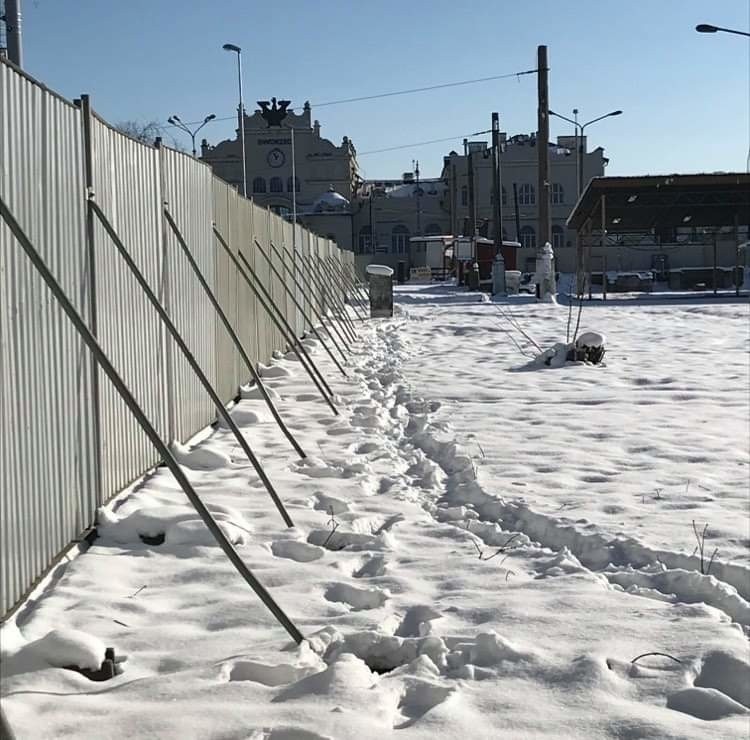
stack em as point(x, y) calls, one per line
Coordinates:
point(47, 475)
point(187, 188)
point(226, 287)
point(126, 182)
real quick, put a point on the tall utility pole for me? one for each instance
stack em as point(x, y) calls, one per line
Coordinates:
point(472, 208)
point(544, 230)
point(454, 190)
point(419, 202)
point(13, 31)
point(497, 191)
point(371, 247)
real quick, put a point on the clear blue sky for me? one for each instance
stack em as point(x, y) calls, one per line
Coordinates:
point(685, 96)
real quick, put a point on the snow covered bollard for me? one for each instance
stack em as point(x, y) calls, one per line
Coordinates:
point(545, 275)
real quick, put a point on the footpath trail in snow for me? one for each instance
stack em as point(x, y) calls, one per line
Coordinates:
point(446, 583)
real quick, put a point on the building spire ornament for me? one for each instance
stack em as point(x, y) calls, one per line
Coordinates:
point(272, 113)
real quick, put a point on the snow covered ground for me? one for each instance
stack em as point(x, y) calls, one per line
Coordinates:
point(480, 547)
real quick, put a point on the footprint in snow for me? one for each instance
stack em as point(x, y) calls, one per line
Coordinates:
point(330, 504)
point(268, 675)
point(357, 598)
point(370, 567)
point(286, 733)
point(418, 698)
point(302, 552)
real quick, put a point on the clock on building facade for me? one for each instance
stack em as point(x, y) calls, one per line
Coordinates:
point(276, 158)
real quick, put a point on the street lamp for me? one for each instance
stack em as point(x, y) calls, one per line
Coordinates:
point(238, 51)
point(175, 121)
point(579, 131)
point(707, 28)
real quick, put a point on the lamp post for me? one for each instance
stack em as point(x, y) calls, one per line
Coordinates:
point(175, 121)
point(708, 28)
point(238, 51)
point(579, 131)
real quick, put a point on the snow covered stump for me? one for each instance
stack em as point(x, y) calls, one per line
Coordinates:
point(545, 275)
point(589, 347)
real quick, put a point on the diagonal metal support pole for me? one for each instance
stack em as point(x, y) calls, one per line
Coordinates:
point(196, 368)
point(290, 293)
point(340, 332)
point(312, 306)
point(341, 299)
point(147, 427)
point(338, 300)
point(267, 302)
point(355, 293)
point(232, 333)
point(361, 286)
point(342, 329)
point(326, 295)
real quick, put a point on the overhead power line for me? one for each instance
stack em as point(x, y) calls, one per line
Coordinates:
point(423, 143)
point(410, 91)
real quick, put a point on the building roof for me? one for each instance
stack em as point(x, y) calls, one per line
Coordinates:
point(645, 202)
point(330, 201)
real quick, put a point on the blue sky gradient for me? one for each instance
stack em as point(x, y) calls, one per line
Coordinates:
point(685, 95)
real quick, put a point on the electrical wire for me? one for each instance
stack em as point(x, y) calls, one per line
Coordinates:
point(423, 143)
point(379, 96)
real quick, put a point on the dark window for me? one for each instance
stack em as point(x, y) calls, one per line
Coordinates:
point(365, 240)
point(558, 237)
point(558, 194)
point(528, 237)
point(526, 195)
point(277, 185)
point(399, 239)
point(289, 185)
point(464, 195)
point(259, 185)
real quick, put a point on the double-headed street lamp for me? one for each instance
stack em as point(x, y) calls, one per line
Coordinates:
point(238, 51)
point(579, 133)
point(175, 121)
point(708, 28)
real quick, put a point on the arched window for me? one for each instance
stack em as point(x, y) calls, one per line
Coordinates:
point(527, 237)
point(432, 230)
point(526, 195)
point(259, 185)
point(277, 185)
point(464, 195)
point(558, 237)
point(558, 194)
point(505, 197)
point(399, 239)
point(289, 185)
point(365, 239)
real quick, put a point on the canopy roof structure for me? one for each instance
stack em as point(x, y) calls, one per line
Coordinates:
point(646, 202)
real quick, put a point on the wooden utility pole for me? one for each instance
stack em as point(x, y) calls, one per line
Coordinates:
point(544, 230)
point(472, 204)
point(497, 192)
